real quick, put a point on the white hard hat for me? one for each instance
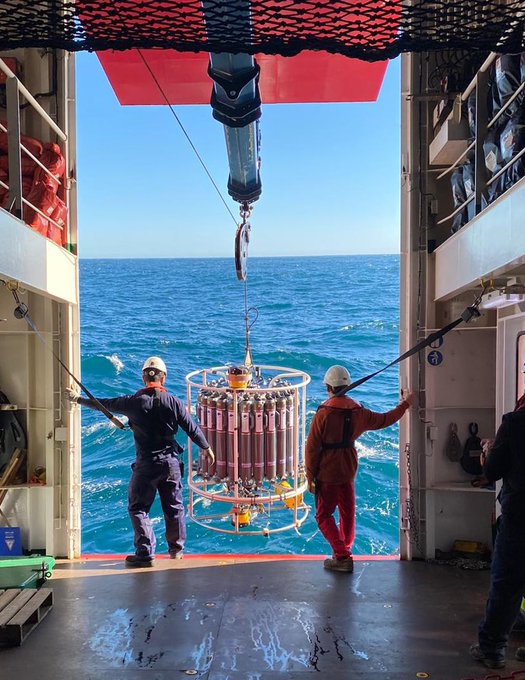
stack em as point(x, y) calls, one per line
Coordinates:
point(155, 363)
point(337, 376)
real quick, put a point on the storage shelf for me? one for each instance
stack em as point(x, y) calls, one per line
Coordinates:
point(459, 486)
point(29, 332)
point(459, 408)
point(16, 407)
point(465, 327)
point(24, 486)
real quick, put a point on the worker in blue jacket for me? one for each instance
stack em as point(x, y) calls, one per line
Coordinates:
point(154, 417)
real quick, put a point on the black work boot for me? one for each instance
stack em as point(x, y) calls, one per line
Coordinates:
point(139, 562)
point(494, 660)
point(520, 654)
point(344, 564)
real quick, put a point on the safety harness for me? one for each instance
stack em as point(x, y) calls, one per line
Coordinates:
point(155, 415)
point(346, 441)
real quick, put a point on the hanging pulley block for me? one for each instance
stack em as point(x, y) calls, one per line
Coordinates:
point(242, 238)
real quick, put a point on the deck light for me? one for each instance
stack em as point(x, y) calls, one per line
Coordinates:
point(496, 299)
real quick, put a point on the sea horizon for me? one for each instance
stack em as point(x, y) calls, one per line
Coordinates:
point(250, 257)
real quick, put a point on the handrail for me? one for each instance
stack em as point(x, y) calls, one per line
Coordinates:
point(482, 126)
point(34, 158)
point(488, 183)
point(49, 219)
point(464, 96)
point(14, 89)
point(457, 210)
point(7, 71)
point(484, 67)
point(454, 164)
point(507, 104)
point(506, 167)
point(24, 200)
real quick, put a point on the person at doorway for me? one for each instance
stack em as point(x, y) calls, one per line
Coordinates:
point(154, 417)
point(505, 459)
point(331, 461)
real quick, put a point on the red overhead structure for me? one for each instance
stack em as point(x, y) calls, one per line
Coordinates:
point(305, 78)
point(231, 81)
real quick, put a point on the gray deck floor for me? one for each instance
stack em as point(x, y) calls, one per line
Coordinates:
point(251, 619)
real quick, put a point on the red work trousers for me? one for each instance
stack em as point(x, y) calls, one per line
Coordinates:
point(328, 497)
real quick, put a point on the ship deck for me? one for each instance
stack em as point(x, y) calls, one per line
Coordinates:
point(256, 618)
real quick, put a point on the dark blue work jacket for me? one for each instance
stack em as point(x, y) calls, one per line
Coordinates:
point(154, 426)
point(506, 460)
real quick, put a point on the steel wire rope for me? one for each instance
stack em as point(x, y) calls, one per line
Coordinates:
point(248, 360)
point(187, 136)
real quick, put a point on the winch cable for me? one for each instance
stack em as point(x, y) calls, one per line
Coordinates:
point(248, 360)
point(22, 312)
point(242, 239)
point(201, 161)
point(242, 236)
point(468, 314)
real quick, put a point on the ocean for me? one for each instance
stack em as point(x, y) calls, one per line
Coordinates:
point(312, 312)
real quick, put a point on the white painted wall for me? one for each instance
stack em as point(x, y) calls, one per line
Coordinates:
point(491, 242)
point(35, 261)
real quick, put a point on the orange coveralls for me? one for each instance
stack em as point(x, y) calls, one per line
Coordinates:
point(334, 469)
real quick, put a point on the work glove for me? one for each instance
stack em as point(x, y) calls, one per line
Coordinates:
point(210, 454)
point(409, 397)
point(486, 445)
point(72, 395)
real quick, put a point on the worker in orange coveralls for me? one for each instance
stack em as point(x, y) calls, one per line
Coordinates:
point(331, 461)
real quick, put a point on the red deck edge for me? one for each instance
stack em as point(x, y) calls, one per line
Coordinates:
point(258, 557)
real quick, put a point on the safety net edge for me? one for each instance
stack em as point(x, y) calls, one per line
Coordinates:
point(365, 29)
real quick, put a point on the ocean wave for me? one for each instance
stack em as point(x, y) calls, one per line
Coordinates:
point(376, 323)
point(117, 363)
point(376, 451)
point(365, 451)
point(96, 487)
point(95, 365)
point(88, 430)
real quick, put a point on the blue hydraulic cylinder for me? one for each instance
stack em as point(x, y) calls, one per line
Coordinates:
point(236, 103)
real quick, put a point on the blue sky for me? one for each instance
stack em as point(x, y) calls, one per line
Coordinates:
point(330, 176)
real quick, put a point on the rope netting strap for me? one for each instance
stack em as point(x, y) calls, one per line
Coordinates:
point(367, 29)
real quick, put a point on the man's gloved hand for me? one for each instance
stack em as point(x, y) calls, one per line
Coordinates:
point(210, 454)
point(409, 397)
point(311, 486)
point(72, 395)
point(486, 445)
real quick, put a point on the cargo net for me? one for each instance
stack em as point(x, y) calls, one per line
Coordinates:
point(367, 29)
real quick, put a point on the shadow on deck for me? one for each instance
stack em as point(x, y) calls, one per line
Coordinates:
point(256, 618)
